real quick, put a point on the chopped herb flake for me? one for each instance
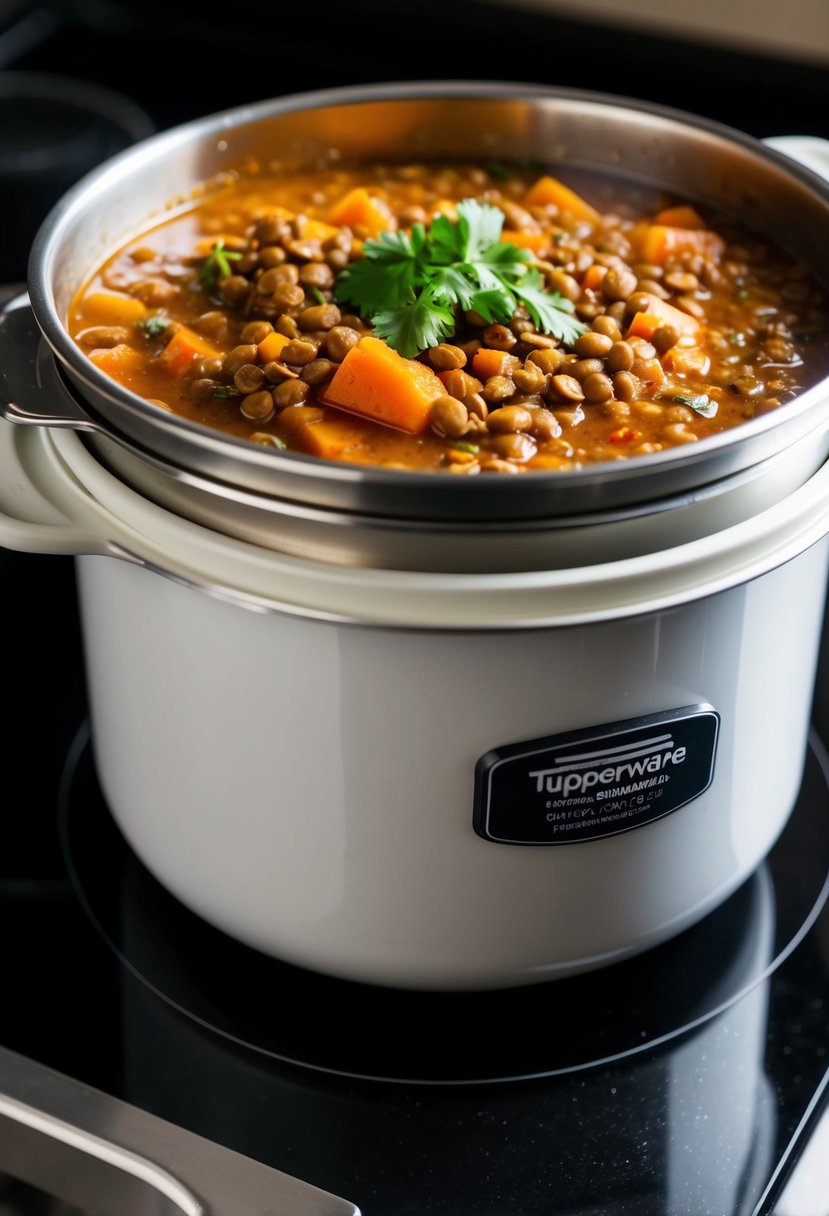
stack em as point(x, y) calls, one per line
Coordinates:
point(225, 390)
point(700, 402)
point(154, 325)
point(318, 296)
point(217, 264)
point(460, 445)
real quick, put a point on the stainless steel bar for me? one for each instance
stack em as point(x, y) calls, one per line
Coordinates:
point(111, 1159)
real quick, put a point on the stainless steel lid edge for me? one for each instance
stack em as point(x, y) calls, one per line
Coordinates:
point(736, 160)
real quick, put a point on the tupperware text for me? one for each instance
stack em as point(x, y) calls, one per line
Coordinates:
point(556, 781)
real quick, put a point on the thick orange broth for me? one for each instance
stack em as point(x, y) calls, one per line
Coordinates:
point(230, 314)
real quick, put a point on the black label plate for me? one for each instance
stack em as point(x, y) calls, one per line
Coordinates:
point(588, 784)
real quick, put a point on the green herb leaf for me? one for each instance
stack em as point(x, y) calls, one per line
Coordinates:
point(409, 284)
point(701, 402)
point(388, 275)
point(217, 264)
point(461, 445)
point(225, 390)
point(317, 295)
point(546, 309)
point(154, 325)
point(415, 327)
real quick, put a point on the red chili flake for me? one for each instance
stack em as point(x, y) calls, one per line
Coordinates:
point(625, 434)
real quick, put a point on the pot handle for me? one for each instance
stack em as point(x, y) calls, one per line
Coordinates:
point(64, 520)
point(808, 150)
point(21, 379)
point(39, 513)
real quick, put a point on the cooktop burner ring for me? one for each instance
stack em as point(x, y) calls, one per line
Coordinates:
point(562, 1026)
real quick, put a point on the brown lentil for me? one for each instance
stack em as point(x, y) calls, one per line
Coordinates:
point(249, 378)
point(510, 418)
point(449, 416)
point(258, 406)
point(753, 304)
point(446, 358)
point(290, 392)
point(568, 388)
point(597, 387)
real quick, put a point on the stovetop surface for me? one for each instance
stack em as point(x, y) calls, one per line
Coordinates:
point(682, 1083)
point(679, 1082)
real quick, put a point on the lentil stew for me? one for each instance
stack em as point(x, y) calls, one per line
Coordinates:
point(455, 318)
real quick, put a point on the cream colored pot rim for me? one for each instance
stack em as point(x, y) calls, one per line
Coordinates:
point(55, 497)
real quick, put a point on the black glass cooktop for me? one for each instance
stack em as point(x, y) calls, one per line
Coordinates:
point(676, 1083)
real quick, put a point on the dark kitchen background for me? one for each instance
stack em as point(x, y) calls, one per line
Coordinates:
point(179, 59)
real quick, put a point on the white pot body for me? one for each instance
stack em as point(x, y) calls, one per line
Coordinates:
point(308, 786)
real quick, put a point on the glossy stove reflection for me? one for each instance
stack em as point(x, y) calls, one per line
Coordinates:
point(672, 1084)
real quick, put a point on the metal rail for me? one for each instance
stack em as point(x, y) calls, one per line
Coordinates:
point(111, 1159)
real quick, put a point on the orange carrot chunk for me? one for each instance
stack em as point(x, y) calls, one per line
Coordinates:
point(682, 216)
point(363, 211)
point(658, 313)
point(270, 348)
point(644, 325)
point(593, 276)
point(487, 362)
point(658, 242)
point(549, 190)
point(686, 361)
point(184, 346)
point(536, 242)
point(649, 371)
point(375, 381)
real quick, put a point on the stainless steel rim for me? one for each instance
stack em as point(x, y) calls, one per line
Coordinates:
point(397, 492)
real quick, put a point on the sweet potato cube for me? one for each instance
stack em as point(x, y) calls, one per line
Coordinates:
point(111, 308)
point(682, 216)
point(317, 230)
point(123, 363)
point(270, 348)
point(549, 190)
point(658, 313)
point(331, 437)
point(362, 211)
point(536, 242)
point(376, 382)
point(656, 243)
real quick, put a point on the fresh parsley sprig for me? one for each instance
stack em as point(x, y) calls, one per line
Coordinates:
point(217, 264)
point(409, 284)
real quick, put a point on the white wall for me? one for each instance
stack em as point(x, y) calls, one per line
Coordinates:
point(797, 29)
